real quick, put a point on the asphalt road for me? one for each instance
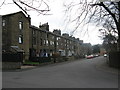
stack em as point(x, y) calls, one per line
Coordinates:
point(83, 73)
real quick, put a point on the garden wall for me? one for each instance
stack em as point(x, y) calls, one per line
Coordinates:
point(12, 60)
point(114, 59)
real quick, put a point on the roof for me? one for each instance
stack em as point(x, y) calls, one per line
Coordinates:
point(17, 49)
point(15, 13)
point(36, 28)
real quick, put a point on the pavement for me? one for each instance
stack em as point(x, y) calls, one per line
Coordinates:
point(104, 66)
point(27, 67)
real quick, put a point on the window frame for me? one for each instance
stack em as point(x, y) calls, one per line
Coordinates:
point(3, 22)
point(20, 39)
point(20, 25)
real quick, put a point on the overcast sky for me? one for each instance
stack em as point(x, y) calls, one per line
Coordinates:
point(57, 21)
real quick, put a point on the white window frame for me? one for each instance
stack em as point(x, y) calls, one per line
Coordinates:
point(3, 23)
point(20, 25)
point(20, 39)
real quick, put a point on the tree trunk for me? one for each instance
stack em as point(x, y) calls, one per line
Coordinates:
point(117, 22)
point(118, 27)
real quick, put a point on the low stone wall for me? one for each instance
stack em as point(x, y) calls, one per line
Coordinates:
point(11, 65)
point(71, 58)
point(63, 58)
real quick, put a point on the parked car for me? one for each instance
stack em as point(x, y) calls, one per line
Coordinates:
point(96, 55)
point(90, 56)
point(105, 55)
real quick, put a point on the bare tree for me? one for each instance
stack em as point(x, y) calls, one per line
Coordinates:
point(94, 11)
point(39, 6)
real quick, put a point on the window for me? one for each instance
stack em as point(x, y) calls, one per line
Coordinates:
point(53, 37)
point(20, 36)
point(47, 42)
point(58, 38)
point(3, 23)
point(44, 42)
point(65, 40)
point(20, 25)
point(57, 43)
point(53, 43)
point(67, 46)
point(34, 32)
point(20, 39)
point(41, 42)
point(50, 42)
point(47, 36)
point(34, 40)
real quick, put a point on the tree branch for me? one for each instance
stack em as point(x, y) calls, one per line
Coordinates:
point(3, 3)
point(20, 7)
point(38, 10)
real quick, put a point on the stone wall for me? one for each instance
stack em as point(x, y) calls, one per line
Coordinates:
point(11, 65)
point(114, 59)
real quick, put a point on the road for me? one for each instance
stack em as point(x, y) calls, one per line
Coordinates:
point(76, 74)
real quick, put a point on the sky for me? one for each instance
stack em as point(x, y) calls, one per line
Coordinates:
point(57, 21)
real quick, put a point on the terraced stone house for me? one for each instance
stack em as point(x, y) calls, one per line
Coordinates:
point(17, 31)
